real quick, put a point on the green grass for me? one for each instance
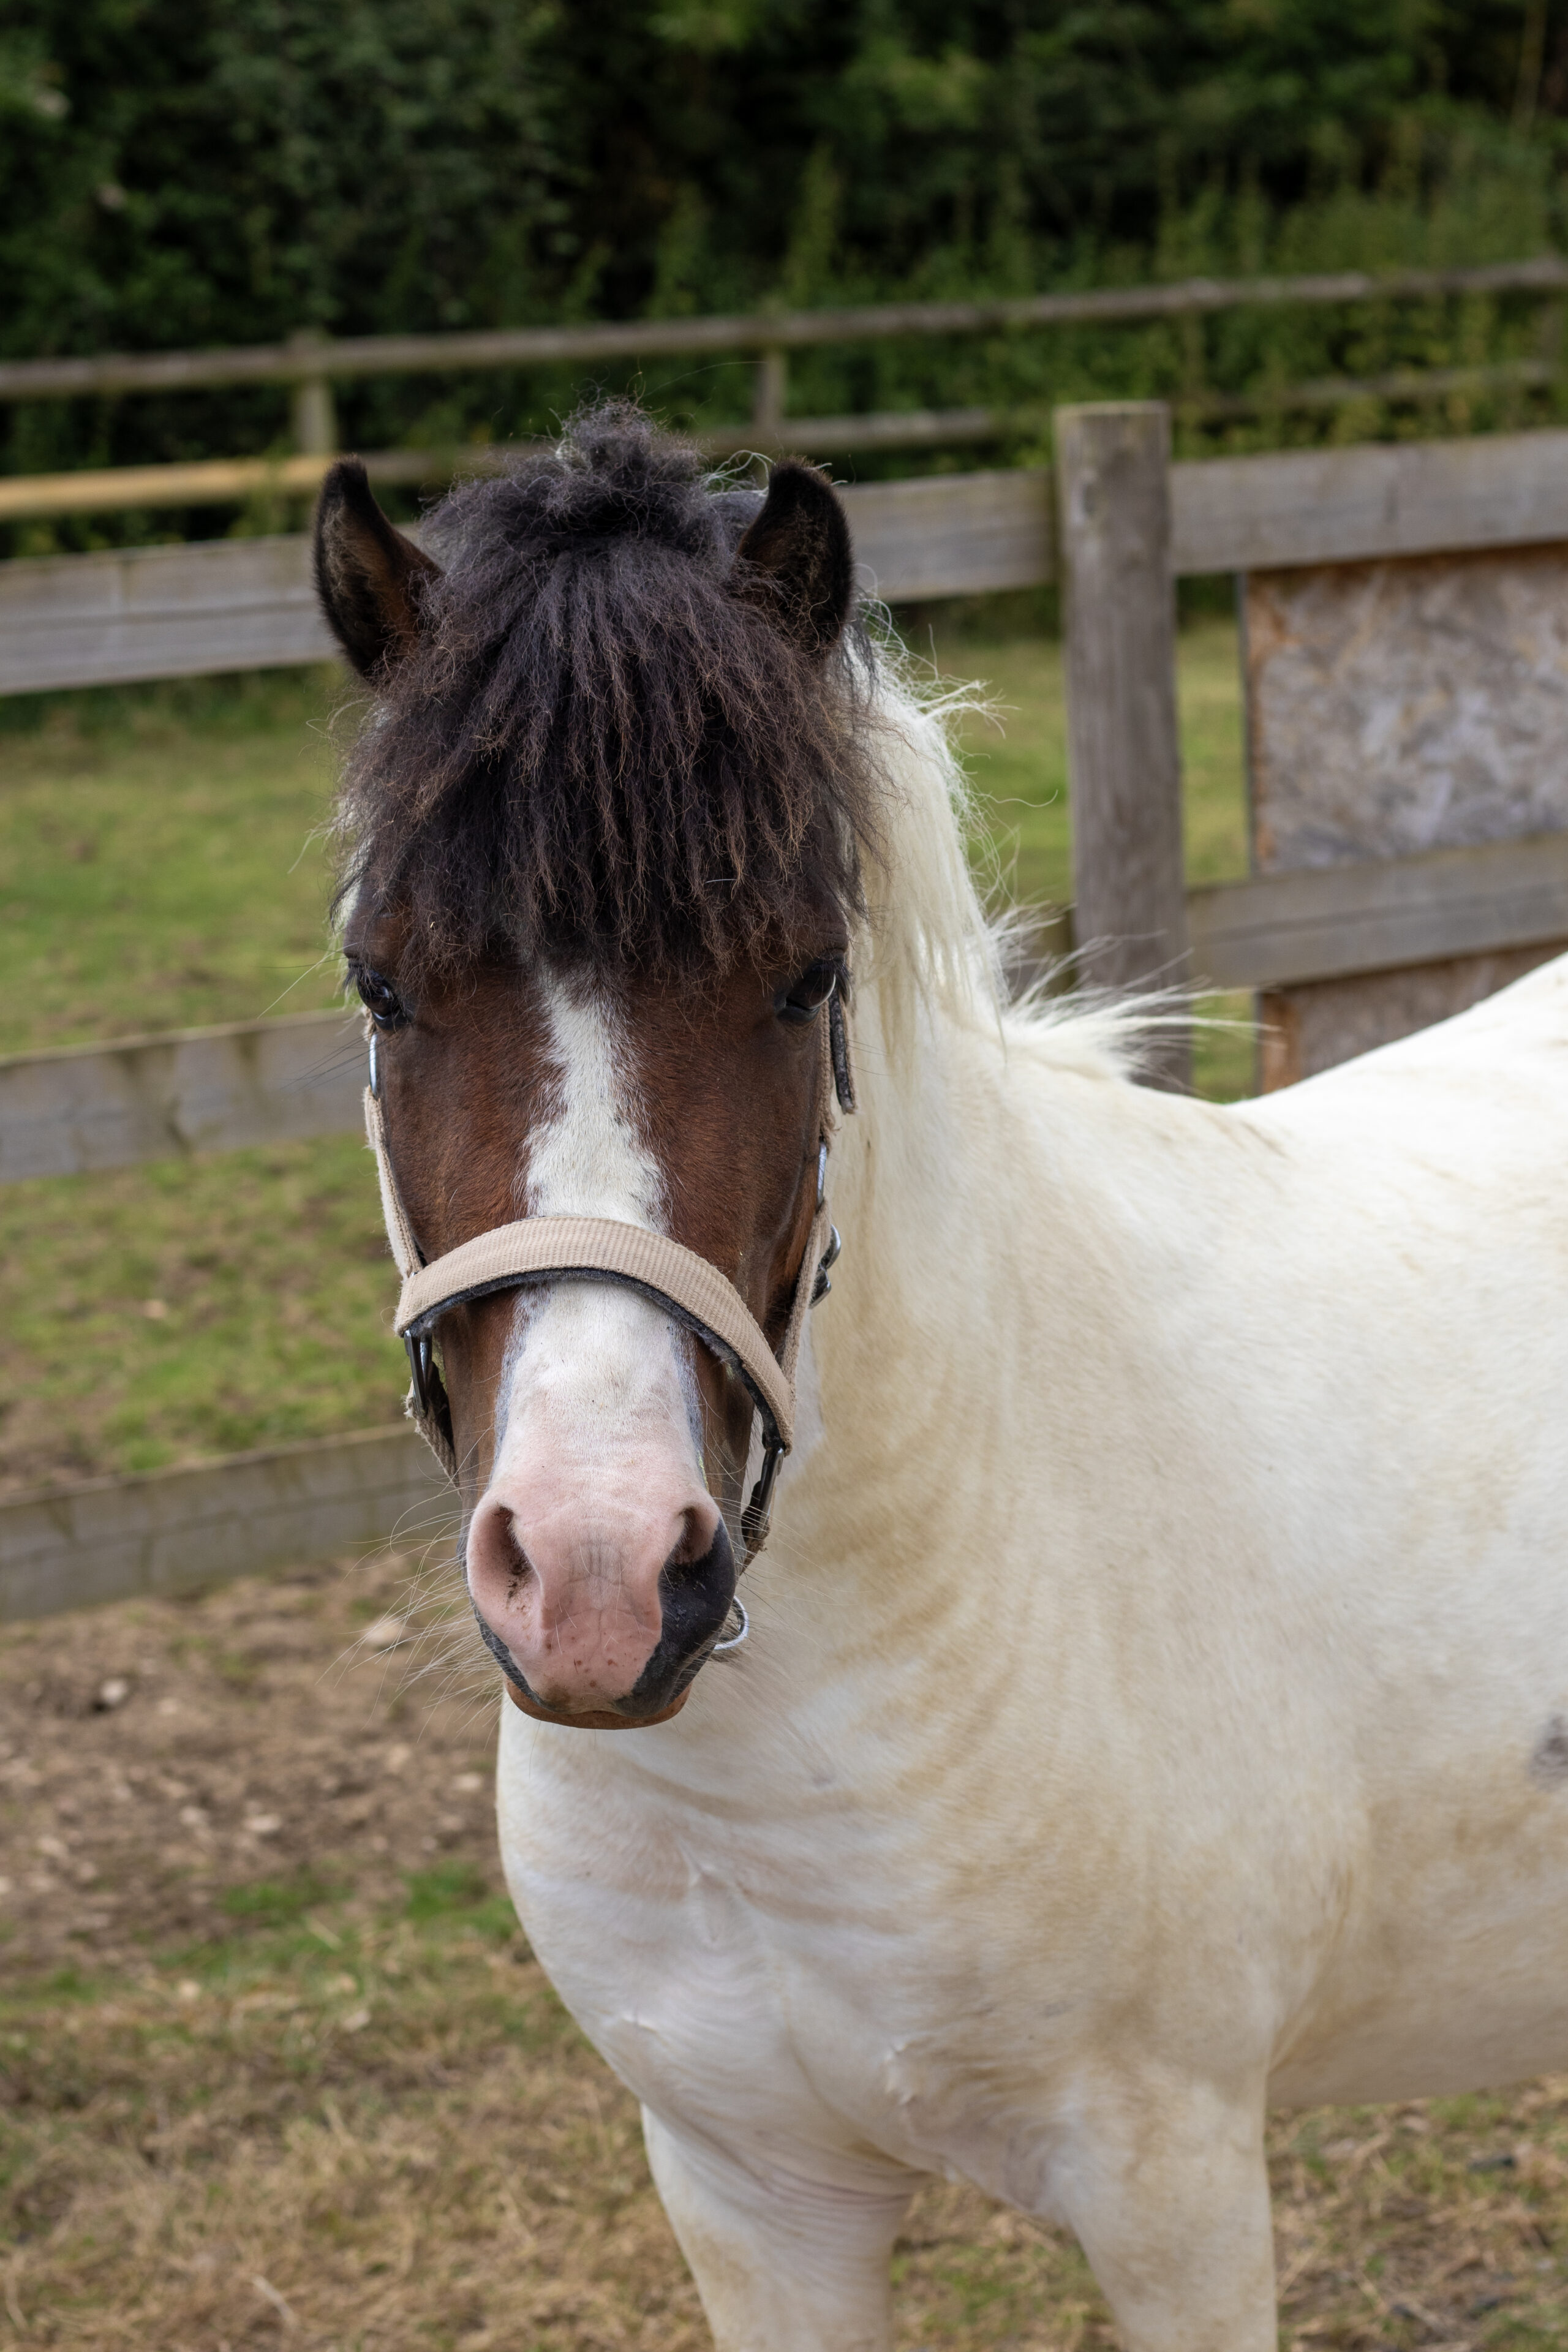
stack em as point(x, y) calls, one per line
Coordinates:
point(161, 858)
point(1018, 769)
point(164, 866)
point(193, 1307)
point(456, 1894)
point(277, 1902)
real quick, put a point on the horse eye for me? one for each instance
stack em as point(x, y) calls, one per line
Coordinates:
point(805, 997)
point(380, 998)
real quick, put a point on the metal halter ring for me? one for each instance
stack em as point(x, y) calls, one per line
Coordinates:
point(738, 1609)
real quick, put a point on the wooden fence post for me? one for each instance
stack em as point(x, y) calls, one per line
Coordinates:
point(770, 391)
point(314, 411)
point(1123, 751)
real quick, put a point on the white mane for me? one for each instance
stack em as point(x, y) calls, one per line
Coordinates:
point(934, 943)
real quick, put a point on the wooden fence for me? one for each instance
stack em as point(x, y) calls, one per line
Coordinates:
point(311, 363)
point(1117, 527)
point(248, 604)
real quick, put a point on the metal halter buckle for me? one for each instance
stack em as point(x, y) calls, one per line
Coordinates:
point(430, 1399)
point(829, 1257)
point(422, 1368)
point(759, 1510)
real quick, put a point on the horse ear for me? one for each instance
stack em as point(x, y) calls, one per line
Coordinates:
point(796, 557)
point(369, 579)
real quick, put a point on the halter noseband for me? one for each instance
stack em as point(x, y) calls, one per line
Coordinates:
point(604, 1249)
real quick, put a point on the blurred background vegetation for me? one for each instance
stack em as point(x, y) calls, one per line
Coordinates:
point(178, 173)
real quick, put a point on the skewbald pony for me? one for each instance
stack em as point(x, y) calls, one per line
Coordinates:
point(617, 710)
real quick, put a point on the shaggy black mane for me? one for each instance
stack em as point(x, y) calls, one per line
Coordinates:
point(603, 748)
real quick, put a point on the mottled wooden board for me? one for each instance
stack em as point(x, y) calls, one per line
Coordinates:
point(1392, 498)
point(249, 604)
point(1394, 709)
point(170, 1531)
point(158, 612)
point(1381, 914)
point(90, 1106)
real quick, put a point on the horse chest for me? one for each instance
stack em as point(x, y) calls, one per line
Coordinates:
point(779, 1981)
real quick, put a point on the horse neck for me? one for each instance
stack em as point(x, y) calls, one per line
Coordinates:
point(964, 1188)
point(924, 1191)
point(993, 1191)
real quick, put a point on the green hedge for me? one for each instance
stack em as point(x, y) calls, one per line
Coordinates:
point(212, 171)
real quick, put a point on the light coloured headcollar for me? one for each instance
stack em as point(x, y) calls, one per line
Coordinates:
point(602, 1249)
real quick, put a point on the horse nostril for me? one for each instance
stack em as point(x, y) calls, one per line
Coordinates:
point(515, 1561)
point(497, 1565)
point(695, 1543)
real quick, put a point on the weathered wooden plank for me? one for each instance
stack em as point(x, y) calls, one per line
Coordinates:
point(227, 481)
point(304, 357)
point(953, 534)
point(247, 603)
point(181, 612)
point(109, 489)
point(1331, 922)
point(157, 612)
point(1407, 385)
point(1337, 506)
point(1123, 749)
point(88, 1107)
point(1395, 709)
point(224, 481)
point(178, 1530)
point(88, 620)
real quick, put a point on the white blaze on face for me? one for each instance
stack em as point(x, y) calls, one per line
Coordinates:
point(597, 1482)
point(587, 1159)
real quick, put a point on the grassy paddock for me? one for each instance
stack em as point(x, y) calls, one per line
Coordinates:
point(161, 855)
point(164, 864)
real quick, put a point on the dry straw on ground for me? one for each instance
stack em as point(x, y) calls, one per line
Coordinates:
point(279, 2071)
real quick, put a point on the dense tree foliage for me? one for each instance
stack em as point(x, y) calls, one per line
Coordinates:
point(187, 172)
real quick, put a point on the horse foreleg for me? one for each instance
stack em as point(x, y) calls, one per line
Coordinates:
point(1168, 2197)
point(783, 2263)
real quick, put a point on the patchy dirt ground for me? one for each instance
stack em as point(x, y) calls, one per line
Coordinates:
point(159, 1754)
point(276, 2068)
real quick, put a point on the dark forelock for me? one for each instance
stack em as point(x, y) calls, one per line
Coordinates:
point(598, 750)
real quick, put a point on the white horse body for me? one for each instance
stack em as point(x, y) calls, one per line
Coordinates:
point(1157, 1697)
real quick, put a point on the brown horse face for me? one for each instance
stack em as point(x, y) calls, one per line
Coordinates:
point(603, 1450)
point(611, 736)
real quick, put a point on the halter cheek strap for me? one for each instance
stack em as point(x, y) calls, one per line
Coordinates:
point(604, 1249)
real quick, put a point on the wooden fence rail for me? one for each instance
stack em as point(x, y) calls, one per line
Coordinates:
point(218, 481)
point(171, 1531)
point(309, 359)
point(247, 603)
point(89, 1108)
point(310, 363)
point(1122, 526)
